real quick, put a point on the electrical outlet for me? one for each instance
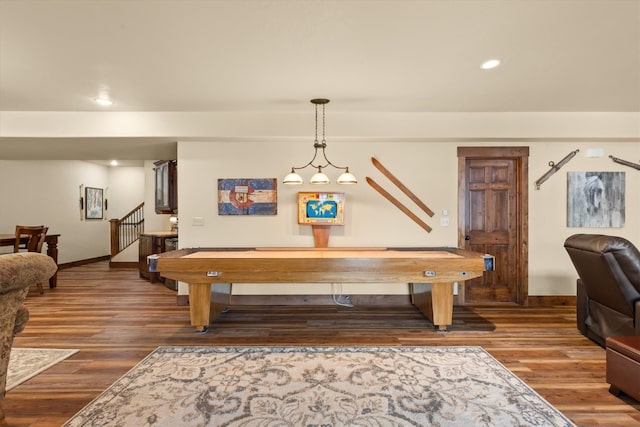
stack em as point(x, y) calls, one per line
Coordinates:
point(197, 221)
point(444, 221)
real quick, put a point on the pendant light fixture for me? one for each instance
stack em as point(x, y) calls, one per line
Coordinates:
point(293, 178)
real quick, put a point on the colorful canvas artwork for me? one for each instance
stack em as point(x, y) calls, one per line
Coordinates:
point(247, 196)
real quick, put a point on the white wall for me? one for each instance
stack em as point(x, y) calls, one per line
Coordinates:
point(420, 148)
point(429, 169)
point(370, 220)
point(550, 271)
point(152, 221)
point(126, 189)
point(48, 192)
point(141, 182)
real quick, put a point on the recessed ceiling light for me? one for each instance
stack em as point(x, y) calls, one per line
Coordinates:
point(114, 163)
point(489, 64)
point(103, 101)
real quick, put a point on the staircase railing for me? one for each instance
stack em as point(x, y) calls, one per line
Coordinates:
point(126, 230)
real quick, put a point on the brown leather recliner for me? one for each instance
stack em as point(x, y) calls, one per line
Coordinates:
point(608, 293)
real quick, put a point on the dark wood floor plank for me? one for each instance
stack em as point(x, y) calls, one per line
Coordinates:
point(115, 319)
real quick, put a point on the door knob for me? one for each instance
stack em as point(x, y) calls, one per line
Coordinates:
point(467, 237)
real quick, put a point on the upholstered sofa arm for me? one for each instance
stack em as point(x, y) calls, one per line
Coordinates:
point(22, 316)
point(21, 270)
point(17, 273)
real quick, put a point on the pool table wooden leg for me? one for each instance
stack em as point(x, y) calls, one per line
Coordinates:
point(199, 305)
point(435, 301)
point(206, 303)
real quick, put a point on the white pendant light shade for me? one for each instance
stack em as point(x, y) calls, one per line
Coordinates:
point(292, 178)
point(319, 178)
point(347, 178)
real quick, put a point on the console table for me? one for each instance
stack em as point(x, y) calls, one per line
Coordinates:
point(431, 272)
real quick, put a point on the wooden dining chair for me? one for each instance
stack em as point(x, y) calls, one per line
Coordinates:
point(35, 236)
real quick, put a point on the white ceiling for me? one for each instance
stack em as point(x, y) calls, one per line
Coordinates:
point(275, 55)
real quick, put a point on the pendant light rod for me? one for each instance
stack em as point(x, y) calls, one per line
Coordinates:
point(320, 145)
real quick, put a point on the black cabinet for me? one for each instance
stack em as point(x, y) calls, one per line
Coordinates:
point(166, 186)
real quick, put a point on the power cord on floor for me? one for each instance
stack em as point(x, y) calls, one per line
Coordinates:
point(339, 298)
point(343, 300)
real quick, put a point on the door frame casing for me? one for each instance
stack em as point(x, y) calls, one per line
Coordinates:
point(521, 157)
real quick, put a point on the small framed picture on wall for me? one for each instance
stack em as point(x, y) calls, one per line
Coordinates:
point(93, 203)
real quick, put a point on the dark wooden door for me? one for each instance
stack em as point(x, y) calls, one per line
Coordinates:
point(492, 221)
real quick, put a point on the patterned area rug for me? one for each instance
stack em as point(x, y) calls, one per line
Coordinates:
point(25, 363)
point(319, 386)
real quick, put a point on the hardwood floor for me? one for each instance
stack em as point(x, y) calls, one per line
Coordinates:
point(115, 319)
